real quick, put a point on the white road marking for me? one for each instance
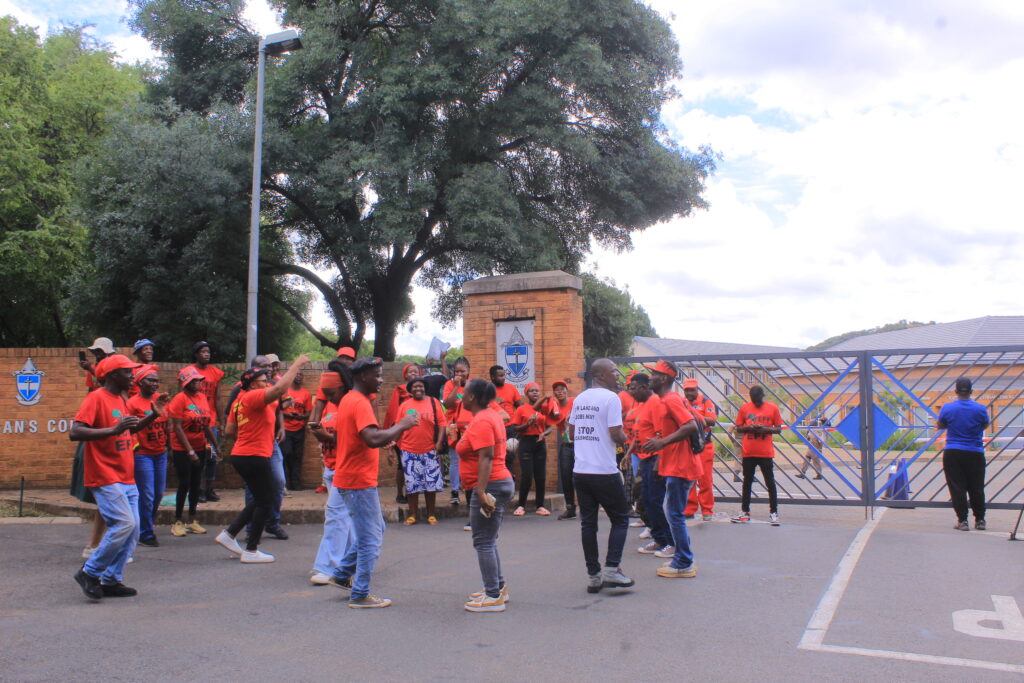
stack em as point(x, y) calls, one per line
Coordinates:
point(817, 628)
point(1007, 613)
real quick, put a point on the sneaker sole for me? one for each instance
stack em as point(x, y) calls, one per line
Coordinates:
point(373, 606)
point(677, 576)
point(345, 589)
point(606, 584)
point(244, 561)
point(482, 608)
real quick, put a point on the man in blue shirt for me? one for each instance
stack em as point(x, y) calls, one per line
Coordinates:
point(963, 460)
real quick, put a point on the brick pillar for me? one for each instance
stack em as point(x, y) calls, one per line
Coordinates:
point(553, 300)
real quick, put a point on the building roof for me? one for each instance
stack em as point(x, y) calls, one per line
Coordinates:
point(991, 330)
point(688, 347)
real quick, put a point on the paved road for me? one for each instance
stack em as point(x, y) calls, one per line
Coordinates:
point(203, 616)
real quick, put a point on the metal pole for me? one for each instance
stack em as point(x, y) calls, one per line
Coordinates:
point(254, 215)
point(867, 433)
point(21, 498)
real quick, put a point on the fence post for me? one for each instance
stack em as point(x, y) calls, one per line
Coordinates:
point(867, 433)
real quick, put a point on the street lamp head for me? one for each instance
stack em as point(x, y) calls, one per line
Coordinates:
point(281, 42)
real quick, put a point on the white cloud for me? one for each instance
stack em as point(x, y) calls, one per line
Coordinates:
point(25, 16)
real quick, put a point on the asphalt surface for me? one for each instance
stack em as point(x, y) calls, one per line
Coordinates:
point(201, 615)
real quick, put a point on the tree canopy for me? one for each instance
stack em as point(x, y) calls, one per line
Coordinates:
point(424, 141)
point(611, 319)
point(56, 99)
point(889, 327)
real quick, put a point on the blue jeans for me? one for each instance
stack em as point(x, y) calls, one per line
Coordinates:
point(453, 468)
point(277, 469)
point(654, 500)
point(367, 524)
point(118, 505)
point(337, 536)
point(151, 480)
point(485, 533)
point(677, 492)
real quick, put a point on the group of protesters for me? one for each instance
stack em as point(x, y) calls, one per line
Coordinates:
point(486, 426)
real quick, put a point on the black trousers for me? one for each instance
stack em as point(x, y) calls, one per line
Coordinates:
point(602, 490)
point(566, 463)
point(767, 466)
point(533, 467)
point(292, 449)
point(190, 479)
point(965, 477)
point(256, 473)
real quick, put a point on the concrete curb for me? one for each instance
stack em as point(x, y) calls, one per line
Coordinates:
point(41, 520)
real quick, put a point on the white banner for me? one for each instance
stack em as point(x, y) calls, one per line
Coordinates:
point(516, 352)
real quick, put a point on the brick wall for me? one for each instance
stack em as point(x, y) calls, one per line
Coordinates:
point(34, 439)
point(558, 340)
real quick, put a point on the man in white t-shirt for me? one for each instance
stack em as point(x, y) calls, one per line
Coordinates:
point(596, 428)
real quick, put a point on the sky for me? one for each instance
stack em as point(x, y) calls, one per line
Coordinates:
point(871, 155)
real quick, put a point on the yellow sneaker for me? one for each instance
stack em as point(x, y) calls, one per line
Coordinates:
point(194, 528)
point(178, 528)
point(505, 595)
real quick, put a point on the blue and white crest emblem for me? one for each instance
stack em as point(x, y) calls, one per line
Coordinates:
point(29, 381)
point(517, 355)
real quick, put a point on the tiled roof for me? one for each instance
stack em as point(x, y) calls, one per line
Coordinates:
point(654, 346)
point(991, 330)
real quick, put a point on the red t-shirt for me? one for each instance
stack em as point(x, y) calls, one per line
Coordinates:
point(212, 376)
point(399, 395)
point(109, 460)
point(195, 417)
point(328, 421)
point(257, 421)
point(704, 408)
point(153, 439)
point(423, 437)
point(758, 445)
point(507, 395)
point(647, 419)
point(557, 416)
point(677, 459)
point(302, 403)
point(485, 429)
point(522, 414)
point(356, 464)
point(457, 416)
point(627, 401)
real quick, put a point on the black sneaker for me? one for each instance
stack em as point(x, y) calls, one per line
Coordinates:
point(979, 524)
point(118, 590)
point(455, 498)
point(151, 542)
point(212, 497)
point(343, 584)
point(278, 533)
point(570, 513)
point(90, 585)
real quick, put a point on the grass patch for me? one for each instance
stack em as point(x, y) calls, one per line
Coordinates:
point(11, 510)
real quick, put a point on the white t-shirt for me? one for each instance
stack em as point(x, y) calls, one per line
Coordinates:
point(593, 413)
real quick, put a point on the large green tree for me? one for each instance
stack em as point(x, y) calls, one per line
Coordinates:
point(611, 318)
point(56, 98)
point(440, 140)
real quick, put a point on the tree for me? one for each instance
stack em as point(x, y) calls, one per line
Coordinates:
point(56, 97)
point(890, 327)
point(611, 319)
point(438, 141)
point(168, 250)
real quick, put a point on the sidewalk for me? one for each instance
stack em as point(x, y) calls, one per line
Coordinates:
point(300, 507)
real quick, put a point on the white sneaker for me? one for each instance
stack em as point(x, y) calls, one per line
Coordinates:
point(667, 551)
point(467, 527)
point(320, 579)
point(649, 549)
point(636, 523)
point(646, 533)
point(228, 541)
point(484, 603)
point(87, 552)
point(256, 557)
point(773, 519)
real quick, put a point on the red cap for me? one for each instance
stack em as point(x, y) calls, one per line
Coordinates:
point(664, 367)
point(559, 383)
point(145, 371)
point(530, 386)
point(347, 351)
point(406, 367)
point(330, 380)
point(189, 374)
point(690, 383)
point(114, 362)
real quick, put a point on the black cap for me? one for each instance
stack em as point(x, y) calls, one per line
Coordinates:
point(364, 364)
point(964, 385)
point(199, 345)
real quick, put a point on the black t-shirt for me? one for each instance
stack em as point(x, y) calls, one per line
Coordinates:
point(433, 384)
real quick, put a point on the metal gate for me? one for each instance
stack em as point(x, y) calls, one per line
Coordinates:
point(866, 418)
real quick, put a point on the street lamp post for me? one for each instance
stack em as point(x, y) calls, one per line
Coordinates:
point(274, 44)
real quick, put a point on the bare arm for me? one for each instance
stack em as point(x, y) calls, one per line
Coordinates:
point(375, 437)
point(83, 432)
point(618, 434)
point(485, 458)
point(280, 388)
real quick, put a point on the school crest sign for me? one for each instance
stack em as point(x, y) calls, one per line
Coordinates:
point(28, 382)
point(516, 352)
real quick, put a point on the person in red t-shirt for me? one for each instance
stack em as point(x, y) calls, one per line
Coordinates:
point(399, 395)
point(556, 408)
point(418, 449)
point(489, 488)
point(457, 419)
point(150, 452)
point(647, 419)
point(757, 421)
point(703, 493)
point(355, 474)
point(337, 535)
point(531, 428)
point(191, 434)
point(507, 395)
point(295, 416)
point(212, 376)
point(103, 422)
point(253, 422)
point(678, 464)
